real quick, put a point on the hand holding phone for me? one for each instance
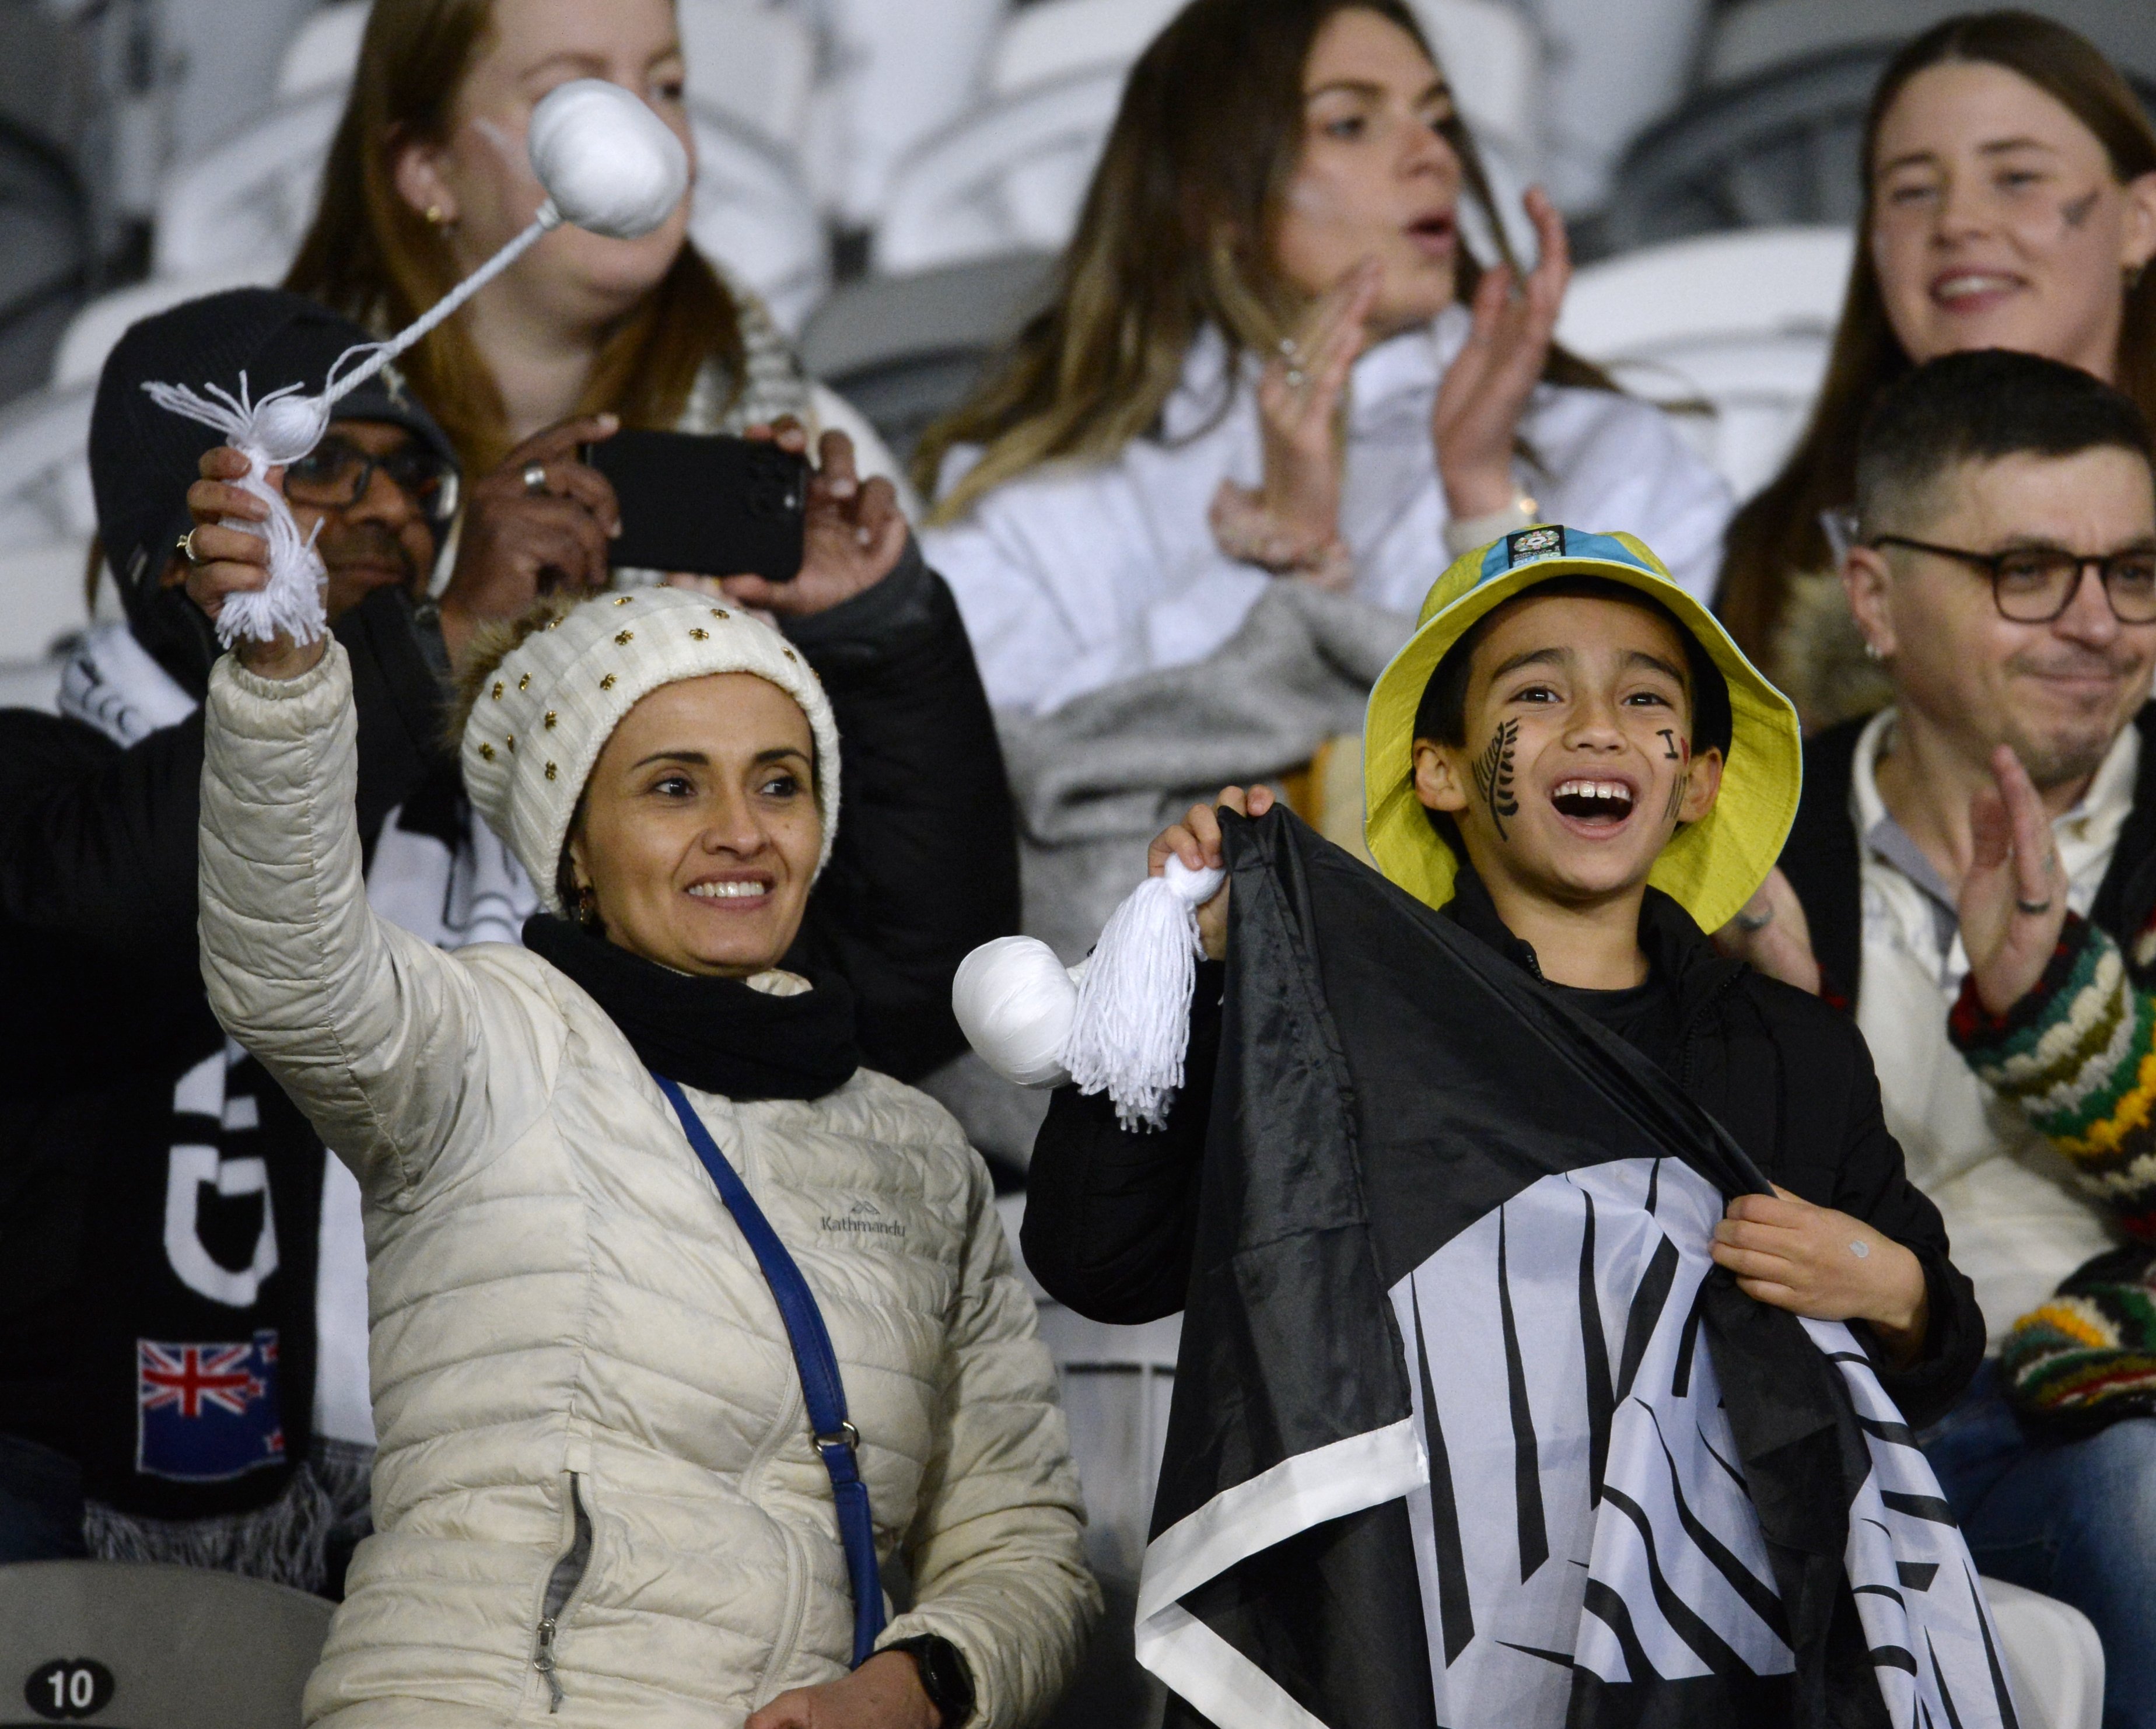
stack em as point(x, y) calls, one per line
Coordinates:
point(854, 531)
point(705, 503)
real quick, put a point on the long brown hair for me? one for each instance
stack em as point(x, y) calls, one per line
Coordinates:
point(1778, 536)
point(1175, 234)
point(373, 257)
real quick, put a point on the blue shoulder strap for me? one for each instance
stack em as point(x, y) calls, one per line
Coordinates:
point(821, 1390)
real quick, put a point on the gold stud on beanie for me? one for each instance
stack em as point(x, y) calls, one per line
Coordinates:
point(550, 706)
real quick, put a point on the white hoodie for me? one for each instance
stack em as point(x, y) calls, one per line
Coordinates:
point(1076, 576)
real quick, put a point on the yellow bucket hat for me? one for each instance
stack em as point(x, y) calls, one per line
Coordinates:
point(1714, 866)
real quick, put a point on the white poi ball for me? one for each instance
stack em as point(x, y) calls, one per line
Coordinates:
point(609, 163)
point(288, 427)
point(1015, 1001)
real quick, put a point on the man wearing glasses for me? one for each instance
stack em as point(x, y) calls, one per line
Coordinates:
point(182, 1317)
point(2004, 575)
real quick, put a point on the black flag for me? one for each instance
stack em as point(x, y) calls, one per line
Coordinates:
point(1468, 1430)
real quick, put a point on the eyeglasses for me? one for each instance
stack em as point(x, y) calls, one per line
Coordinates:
point(337, 473)
point(2034, 585)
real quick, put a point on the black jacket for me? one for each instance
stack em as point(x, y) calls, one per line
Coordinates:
point(1824, 862)
point(103, 1021)
point(1110, 1215)
point(105, 1014)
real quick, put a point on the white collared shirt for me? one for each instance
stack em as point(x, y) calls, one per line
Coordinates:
point(2016, 1222)
point(1075, 576)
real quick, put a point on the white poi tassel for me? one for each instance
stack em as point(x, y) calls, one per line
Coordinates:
point(608, 164)
point(1118, 1022)
point(1133, 1019)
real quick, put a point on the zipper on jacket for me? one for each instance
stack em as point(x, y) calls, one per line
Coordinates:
point(562, 1585)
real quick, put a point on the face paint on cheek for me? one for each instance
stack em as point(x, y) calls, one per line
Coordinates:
point(2076, 212)
point(1671, 753)
point(1493, 774)
point(1680, 750)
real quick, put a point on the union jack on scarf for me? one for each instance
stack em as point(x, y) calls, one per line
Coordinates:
point(205, 1412)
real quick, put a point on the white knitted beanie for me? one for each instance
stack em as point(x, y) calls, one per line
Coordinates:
point(556, 697)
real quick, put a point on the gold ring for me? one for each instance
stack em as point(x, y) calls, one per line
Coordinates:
point(186, 547)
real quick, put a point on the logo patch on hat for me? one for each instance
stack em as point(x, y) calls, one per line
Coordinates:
point(1546, 541)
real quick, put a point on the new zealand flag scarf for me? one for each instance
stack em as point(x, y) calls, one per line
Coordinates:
point(1468, 1430)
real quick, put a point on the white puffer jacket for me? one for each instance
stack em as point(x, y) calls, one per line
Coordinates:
point(584, 1393)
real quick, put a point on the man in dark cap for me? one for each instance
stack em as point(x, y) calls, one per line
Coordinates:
point(182, 1320)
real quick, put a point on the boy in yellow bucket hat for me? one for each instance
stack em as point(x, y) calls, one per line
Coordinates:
point(1573, 759)
point(1692, 790)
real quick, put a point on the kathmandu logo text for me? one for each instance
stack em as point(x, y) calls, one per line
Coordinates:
point(864, 1217)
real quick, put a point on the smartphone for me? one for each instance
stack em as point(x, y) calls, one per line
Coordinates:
point(704, 503)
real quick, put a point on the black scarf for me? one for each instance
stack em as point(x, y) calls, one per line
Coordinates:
point(715, 1034)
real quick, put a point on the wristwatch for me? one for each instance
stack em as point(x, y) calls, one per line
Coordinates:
point(944, 1676)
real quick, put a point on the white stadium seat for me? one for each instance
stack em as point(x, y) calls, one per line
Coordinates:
point(251, 198)
point(2053, 1656)
point(1489, 52)
point(1494, 65)
point(249, 201)
point(1010, 175)
point(44, 482)
point(746, 61)
point(322, 55)
point(1053, 38)
point(1729, 330)
point(751, 63)
point(893, 75)
point(47, 518)
point(1008, 178)
point(92, 332)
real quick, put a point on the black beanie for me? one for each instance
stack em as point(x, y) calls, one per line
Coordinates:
point(143, 457)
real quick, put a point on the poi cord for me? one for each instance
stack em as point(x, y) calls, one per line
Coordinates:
point(609, 165)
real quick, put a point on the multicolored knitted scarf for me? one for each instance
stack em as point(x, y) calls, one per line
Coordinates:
point(2078, 1056)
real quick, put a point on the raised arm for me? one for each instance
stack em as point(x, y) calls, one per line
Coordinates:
point(376, 1035)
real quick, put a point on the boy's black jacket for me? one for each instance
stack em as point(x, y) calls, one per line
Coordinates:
point(1111, 1217)
point(1377, 1097)
point(103, 1009)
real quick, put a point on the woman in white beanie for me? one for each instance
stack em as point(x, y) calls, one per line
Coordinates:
point(660, 1278)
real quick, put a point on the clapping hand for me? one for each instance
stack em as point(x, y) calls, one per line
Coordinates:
point(1292, 520)
point(1477, 421)
point(2013, 900)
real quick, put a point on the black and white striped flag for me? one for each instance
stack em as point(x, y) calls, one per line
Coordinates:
point(1468, 1431)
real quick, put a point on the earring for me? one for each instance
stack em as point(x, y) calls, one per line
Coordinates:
point(1872, 650)
point(587, 906)
point(434, 218)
